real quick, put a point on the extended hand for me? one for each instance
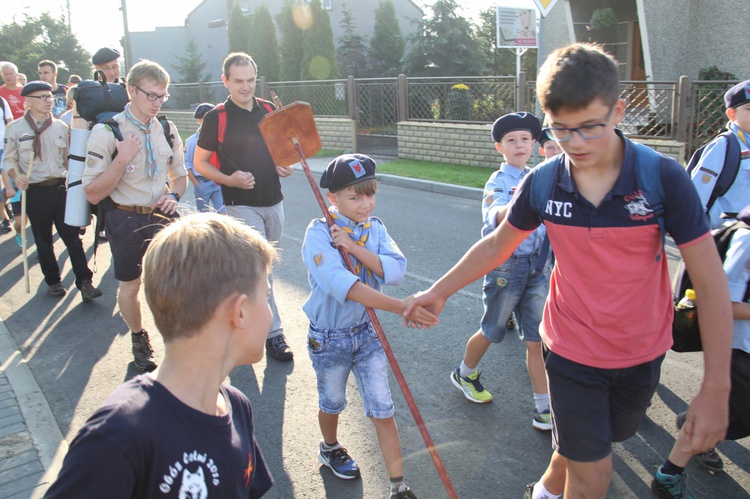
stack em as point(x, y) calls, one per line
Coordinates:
point(419, 304)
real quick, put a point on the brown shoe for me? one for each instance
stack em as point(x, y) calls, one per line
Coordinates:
point(89, 292)
point(277, 348)
point(56, 289)
point(143, 354)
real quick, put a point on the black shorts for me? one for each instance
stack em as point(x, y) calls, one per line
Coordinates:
point(593, 407)
point(129, 234)
point(739, 398)
point(16, 207)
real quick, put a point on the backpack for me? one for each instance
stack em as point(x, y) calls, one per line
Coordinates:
point(689, 340)
point(729, 170)
point(95, 97)
point(647, 175)
point(214, 159)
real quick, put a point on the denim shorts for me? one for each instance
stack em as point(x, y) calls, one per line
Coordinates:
point(513, 286)
point(593, 407)
point(336, 352)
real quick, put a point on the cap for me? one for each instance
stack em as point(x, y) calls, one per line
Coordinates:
point(202, 109)
point(347, 170)
point(738, 94)
point(104, 55)
point(35, 86)
point(542, 137)
point(515, 121)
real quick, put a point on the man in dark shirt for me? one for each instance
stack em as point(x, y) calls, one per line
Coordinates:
point(248, 177)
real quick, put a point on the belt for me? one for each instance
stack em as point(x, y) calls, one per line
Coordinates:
point(47, 183)
point(202, 178)
point(141, 210)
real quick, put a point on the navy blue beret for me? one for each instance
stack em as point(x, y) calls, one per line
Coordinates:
point(347, 170)
point(104, 55)
point(738, 94)
point(515, 121)
point(202, 109)
point(35, 86)
point(542, 137)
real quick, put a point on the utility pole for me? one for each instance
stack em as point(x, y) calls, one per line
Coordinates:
point(126, 35)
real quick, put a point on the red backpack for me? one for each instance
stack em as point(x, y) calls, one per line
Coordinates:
point(214, 159)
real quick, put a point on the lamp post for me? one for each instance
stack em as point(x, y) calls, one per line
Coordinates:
point(126, 35)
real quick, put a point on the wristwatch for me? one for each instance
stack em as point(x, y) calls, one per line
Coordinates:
point(175, 195)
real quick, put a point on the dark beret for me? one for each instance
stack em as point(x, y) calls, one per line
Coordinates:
point(35, 86)
point(738, 94)
point(202, 109)
point(542, 138)
point(347, 170)
point(515, 121)
point(104, 55)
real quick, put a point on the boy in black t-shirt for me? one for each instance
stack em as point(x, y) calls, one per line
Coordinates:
point(180, 432)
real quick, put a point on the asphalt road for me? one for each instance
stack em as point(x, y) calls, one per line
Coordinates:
point(79, 352)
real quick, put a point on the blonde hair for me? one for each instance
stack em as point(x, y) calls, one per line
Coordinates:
point(197, 262)
point(147, 70)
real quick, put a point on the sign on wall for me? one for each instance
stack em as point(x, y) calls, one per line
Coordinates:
point(516, 28)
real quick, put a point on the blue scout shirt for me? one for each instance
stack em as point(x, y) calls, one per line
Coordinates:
point(737, 267)
point(498, 192)
point(330, 280)
point(707, 172)
point(190, 144)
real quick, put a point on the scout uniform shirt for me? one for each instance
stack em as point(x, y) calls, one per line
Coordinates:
point(19, 144)
point(135, 187)
point(707, 173)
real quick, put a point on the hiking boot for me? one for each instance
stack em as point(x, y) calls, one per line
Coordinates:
point(143, 354)
point(277, 348)
point(88, 291)
point(471, 387)
point(710, 459)
point(342, 465)
point(5, 226)
point(542, 420)
point(670, 486)
point(406, 493)
point(56, 289)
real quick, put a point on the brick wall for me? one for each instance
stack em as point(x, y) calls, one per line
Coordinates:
point(183, 120)
point(671, 148)
point(336, 133)
point(447, 143)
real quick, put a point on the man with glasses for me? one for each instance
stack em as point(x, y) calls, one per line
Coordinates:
point(106, 60)
point(130, 177)
point(45, 139)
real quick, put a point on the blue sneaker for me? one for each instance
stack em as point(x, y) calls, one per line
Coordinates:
point(342, 465)
point(670, 486)
point(18, 240)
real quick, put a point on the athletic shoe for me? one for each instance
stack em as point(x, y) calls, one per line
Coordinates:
point(143, 354)
point(342, 465)
point(406, 493)
point(89, 292)
point(277, 348)
point(670, 486)
point(511, 325)
point(542, 420)
point(56, 289)
point(709, 459)
point(19, 241)
point(529, 494)
point(471, 387)
point(5, 226)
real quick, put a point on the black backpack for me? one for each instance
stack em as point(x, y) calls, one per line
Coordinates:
point(690, 341)
point(97, 100)
point(729, 171)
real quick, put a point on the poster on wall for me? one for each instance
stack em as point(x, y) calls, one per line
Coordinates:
point(516, 28)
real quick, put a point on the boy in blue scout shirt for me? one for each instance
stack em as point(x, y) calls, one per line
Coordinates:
point(206, 191)
point(521, 283)
point(341, 338)
point(706, 173)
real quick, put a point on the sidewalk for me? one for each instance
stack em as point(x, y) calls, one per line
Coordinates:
point(32, 446)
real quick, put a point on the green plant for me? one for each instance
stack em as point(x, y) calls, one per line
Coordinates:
point(460, 103)
point(603, 18)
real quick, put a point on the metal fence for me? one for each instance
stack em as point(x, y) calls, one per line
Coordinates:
point(686, 111)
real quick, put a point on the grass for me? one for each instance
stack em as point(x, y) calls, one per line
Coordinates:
point(469, 176)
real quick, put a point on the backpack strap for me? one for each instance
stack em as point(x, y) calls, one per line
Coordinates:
point(266, 104)
point(167, 130)
point(729, 170)
point(648, 174)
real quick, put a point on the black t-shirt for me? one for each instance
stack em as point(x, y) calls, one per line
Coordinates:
point(59, 101)
point(243, 149)
point(145, 443)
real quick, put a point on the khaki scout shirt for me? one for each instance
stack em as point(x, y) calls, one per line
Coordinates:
point(19, 144)
point(135, 187)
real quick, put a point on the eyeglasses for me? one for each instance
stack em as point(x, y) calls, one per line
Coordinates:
point(153, 97)
point(109, 68)
point(587, 132)
point(43, 98)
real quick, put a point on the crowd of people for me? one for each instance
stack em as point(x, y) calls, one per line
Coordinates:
point(550, 253)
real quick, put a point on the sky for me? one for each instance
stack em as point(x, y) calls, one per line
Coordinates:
point(99, 23)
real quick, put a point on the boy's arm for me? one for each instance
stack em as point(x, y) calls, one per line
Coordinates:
point(707, 417)
point(369, 297)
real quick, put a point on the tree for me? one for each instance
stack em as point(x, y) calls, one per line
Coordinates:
point(318, 51)
point(387, 44)
point(292, 36)
point(501, 61)
point(352, 50)
point(191, 65)
point(263, 44)
point(44, 37)
point(238, 30)
point(445, 45)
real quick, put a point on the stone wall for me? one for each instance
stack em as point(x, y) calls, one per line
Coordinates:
point(447, 143)
point(671, 148)
point(183, 120)
point(337, 133)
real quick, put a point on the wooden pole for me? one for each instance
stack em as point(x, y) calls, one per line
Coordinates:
point(23, 225)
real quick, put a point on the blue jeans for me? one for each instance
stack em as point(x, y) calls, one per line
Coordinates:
point(208, 191)
point(335, 353)
point(513, 286)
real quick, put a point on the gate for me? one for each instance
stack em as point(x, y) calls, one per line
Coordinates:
point(377, 115)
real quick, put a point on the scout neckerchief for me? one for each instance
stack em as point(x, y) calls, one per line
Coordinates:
point(362, 272)
point(37, 132)
point(739, 133)
point(152, 168)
